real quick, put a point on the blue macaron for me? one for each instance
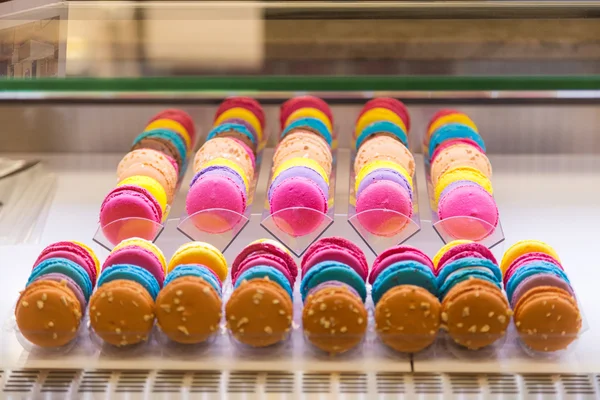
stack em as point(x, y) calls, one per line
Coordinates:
point(533, 268)
point(131, 273)
point(403, 273)
point(469, 262)
point(262, 271)
point(382, 127)
point(332, 271)
point(196, 270)
point(66, 267)
point(453, 131)
point(165, 134)
point(227, 127)
point(466, 274)
point(312, 124)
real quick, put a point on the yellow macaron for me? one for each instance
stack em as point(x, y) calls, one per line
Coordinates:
point(458, 118)
point(151, 185)
point(200, 253)
point(377, 114)
point(144, 244)
point(438, 256)
point(241, 113)
point(462, 173)
point(377, 164)
point(523, 247)
point(230, 164)
point(273, 242)
point(92, 254)
point(309, 112)
point(301, 162)
point(175, 126)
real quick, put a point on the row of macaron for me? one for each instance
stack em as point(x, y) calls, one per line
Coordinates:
point(460, 174)
point(383, 167)
point(225, 166)
point(149, 175)
point(302, 166)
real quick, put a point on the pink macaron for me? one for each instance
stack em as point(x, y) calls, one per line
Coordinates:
point(298, 206)
point(526, 259)
point(468, 212)
point(73, 252)
point(215, 203)
point(336, 249)
point(391, 104)
point(137, 255)
point(263, 259)
point(179, 116)
point(384, 208)
point(397, 254)
point(130, 211)
point(296, 103)
point(264, 248)
point(466, 250)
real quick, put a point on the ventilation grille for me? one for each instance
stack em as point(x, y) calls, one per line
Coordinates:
point(316, 383)
point(95, 381)
point(427, 384)
point(502, 384)
point(540, 384)
point(579, 384)
point(206, 382)
point(390, 383)
point(353, 383)
point(279, 382)
point(242, 382)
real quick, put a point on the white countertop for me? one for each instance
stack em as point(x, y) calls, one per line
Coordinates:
point(550, 198)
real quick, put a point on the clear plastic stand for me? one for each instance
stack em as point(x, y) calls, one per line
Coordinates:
point(108, 236)
point(217, 226)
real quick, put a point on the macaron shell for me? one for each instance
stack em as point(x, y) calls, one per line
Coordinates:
point(384, 148)
point(526, 259)
point(460, 155)
point(391, 104)
point(64, 280)
point(438, 256)
point(466, 247)
point(150, 163)
point(339, 243)
point(336, 254)
point(309, 112)
point(384, 174)
point(462, 174)
point(223, 162)
point(198, 271)
point(532, 268)
point(265, 246)
point(397, 254)
point(456, 118)
point(463, 275)
point(200, 253)
point(264, 272)
point(403, 273)
point(299, 102)
point(377, 114)
point(241, 113)
point(381, 128)
point(263, 259)
point(224, 148)
point(145, 244)
point(130, 201)
point(65, 267)
point(451, 142)
point(140, 257)
point(131, 273)
point(304, 144)
point(168, 138)
point(453, 131)
point(222, 171)
point(537, 280)
point(76, 258)
point(242, 102)
point(523, 247)
point(374, 202)
point(332, 271)
point(312, 125)
point(179, 116)
point(234, 131)
point(162, 146)
point(298, 172)
point(74, 251)
point(459, 256)
point(468, 263)
point(165, 123)
point(374, 166)
point(151, 185)
point(301, 162)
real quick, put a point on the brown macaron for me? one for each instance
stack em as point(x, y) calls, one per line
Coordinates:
point(259, 313)
point(407, 318)
point(547, 318)
point(334, 319)
point(188, 310)
point(475, 313)
point(164, 146)
point(122, 312)
point(48, 314)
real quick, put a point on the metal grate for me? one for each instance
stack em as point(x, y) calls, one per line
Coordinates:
point(132, 381)
point(95, 381)
point(316, 382)
point(577, 384)
point(540, 384)
point(242, 382)
point(59, 381)
point(427, 383)
point(169, 382)
point(206, 382)
point(353, 383)
point(279, 382)
point(465, 384)
point(21, 381)
point(502, 384)
point(390, 383)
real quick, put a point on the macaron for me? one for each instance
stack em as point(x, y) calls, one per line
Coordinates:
point(188, 308)
point(547, 319)
point(453, 131)
point(336, 249)
point(195, 270)
point(75, 252)
point(461, 275)
point(147, 256)
point(332, 271)
point(132, 273)
point(459, 154)
point(377, 114)
point(265, 272)
point(407, 318)
point(65, 267)
point(130, 211)
point(298, 206)
point(309, 112)
point(165, 141)
point(223, 167)
point(461, 173)
point(299, 102)
point(200, 253)
point(152, 186)
point(451, 142)
point(48, 313)
point(403, 273)
point(248, 103)
point(263, 260)
point(526, 259)
point(268, 248)
point(301, 169)
point(310, 124)
point(153, 164)
point(398, 254)
point(464, 247)
point(259, 313)
point(382, 128)
point(453, 118)
point(391, 104)
point(303, 144)
point(166, 123)
point(243, 114)
point(334, 318)
point(530, 269)
point(384, 208)
point(445, 248)
point(179, 116)
point(376, 171)
point(538, 280)
point(467, 263)
point(234, 131)
point(475, 313)
point(225, 148)
point(122, 312)
point(523, 247)
point(69, 283)
point(382, 147)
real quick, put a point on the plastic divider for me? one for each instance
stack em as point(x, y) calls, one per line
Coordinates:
point(108, 236)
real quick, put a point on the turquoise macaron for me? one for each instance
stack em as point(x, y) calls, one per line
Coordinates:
point(382, 127)
point(533, 268)
point(196, 270)
point(332, 271)
point(453, 131)
point(466, 274)
point(262, 271)
point(403, 273)
point(66, 267)
point(229, 126)
point(469, 262)
point(131, 273)
point(312, 124)
point(165, 134)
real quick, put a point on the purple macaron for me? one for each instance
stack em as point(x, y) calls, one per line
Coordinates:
point(70, 283)
point(221, 170)
point(384, 174)
point(539, 280)
point(333, 284)
point(299, 171)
